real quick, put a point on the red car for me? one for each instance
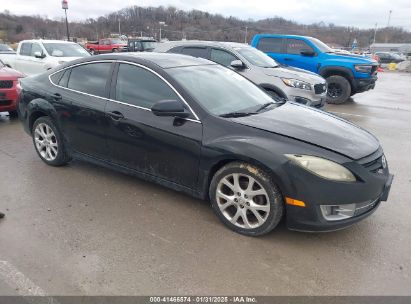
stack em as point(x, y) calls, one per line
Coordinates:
point(9, 89)
point(108, 45)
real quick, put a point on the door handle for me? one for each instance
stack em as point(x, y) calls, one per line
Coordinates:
point(115, 115)
point(57, 96)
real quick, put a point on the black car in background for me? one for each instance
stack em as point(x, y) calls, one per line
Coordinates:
point(198, 127)
point(387, 57)
point(141, 44)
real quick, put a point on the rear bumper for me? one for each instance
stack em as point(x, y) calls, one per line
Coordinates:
point(364, 84)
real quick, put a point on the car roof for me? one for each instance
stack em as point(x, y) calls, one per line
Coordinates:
point(282, 36)
point(163, 60)
point(47, 41)
point(165, 46)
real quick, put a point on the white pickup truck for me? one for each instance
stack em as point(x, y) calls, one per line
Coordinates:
point(36, 56)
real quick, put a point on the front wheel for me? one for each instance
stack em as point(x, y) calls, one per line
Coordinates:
point(339, 89)
point(246, 199)
point(48, 142)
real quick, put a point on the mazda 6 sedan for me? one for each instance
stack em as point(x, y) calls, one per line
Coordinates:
point(198, 127)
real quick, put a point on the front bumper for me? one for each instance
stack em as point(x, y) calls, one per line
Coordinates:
point(367, 194)
point(8, 98)
point(364, 84)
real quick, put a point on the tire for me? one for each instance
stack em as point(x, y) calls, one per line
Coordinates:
point(339, 89)
point(92, 52)
point(13, 114)
point(48, 142)
point(240, 216)
point(115, 50)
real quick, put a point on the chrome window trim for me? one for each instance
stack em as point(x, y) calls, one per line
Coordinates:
point(197, 120)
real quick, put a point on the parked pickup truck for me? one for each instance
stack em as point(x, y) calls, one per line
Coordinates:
point(346, 74)
point(108, 45)
point(37, 56)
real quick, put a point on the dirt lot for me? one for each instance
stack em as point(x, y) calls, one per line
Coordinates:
point(85, 230)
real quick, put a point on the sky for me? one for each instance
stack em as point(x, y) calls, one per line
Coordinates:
point(357, 13)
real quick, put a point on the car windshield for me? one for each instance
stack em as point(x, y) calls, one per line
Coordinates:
point(148, 44)
point(256, 57)
point(220, 90)
point(321, 45)
point(118, 41)
point(65, 50)
point(5, 48)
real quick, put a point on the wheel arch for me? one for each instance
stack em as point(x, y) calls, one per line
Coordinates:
point(338, 71)
point(38, 108)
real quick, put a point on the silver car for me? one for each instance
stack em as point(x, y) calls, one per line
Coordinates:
point(279, 81)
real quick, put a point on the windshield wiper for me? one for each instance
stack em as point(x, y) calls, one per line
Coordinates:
point(237, 114)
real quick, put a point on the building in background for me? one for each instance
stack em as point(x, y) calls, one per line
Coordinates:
point(404, 48)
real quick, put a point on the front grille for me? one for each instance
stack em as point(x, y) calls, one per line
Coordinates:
point(320, 88)
point(6, 84)
point(375, 165)
point(4, 102)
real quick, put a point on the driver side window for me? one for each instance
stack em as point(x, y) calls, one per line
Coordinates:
point(296, 46)
point(140, 87)
point(36, 48)
point(222, 57)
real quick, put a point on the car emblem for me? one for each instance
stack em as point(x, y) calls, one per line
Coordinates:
point(384, 162)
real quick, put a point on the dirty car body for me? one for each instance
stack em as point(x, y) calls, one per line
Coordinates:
point(185, 151)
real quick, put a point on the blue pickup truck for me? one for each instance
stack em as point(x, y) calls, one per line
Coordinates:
point(346, 74)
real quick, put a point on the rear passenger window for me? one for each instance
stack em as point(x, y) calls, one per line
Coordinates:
point(296, 46)
point(64, 80)
point(222, 57)
point(139, 87)
point(56, 77)
point(195, 52)
point(270, 45)
point(90, 78)
point(25, 49)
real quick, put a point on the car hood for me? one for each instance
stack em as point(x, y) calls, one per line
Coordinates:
point(314, 127)
point(295, 73)
point(8, 73)
point(349, 58)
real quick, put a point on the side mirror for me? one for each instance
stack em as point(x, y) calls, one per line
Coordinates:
point(308, 53)
point(237, 64)
point(169, 108)
point(39, 55)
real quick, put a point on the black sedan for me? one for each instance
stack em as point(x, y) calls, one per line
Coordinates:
point(203, 129)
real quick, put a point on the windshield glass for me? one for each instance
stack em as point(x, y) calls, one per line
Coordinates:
point(65, 50)
point(256, 57)
point(148, 44)
point(5, 48)
point(118, 41)
point(220, 90)
point(321, 45)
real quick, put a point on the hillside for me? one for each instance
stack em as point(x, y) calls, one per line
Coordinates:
point(187, 24)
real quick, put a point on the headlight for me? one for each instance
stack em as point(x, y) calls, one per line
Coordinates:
point(363, 68)
point(322, 167)
point(297, 83)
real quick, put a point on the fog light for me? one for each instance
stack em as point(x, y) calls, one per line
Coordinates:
point(337, 212)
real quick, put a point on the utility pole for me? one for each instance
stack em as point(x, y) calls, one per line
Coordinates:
point(375, 32)
point(119, 26)
point(389, 18)
point(246, 34)
point(64, 5)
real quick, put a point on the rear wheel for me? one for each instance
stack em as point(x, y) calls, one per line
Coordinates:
point(115, 50)
point(339, 89)
point(92, 52)
point(246, 199)
point(48, 142)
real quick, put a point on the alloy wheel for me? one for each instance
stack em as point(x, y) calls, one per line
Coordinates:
point(243, 200)
point(46, 142)
point(334, 90)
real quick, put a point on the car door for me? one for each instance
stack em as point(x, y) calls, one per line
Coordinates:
point(37, 64)
point(165, 147)
point(293, 57)
point(23, 59)
point(273, 47)
point(80, 96)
